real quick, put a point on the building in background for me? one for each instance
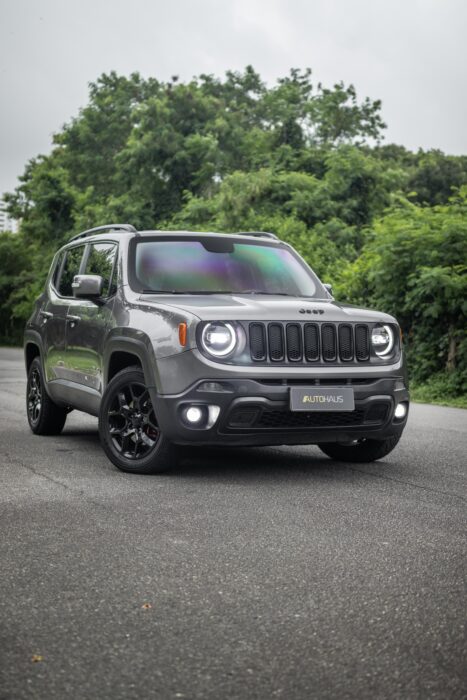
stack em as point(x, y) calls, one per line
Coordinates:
point(6, 224)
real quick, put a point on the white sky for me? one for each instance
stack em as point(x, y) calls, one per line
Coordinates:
point(410, 54)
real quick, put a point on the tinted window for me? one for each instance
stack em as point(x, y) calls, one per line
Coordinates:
point(101, 262)
point(213, 265)
point(70, 269)
point(58, 264)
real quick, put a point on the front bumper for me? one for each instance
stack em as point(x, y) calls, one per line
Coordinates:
point(256, 412)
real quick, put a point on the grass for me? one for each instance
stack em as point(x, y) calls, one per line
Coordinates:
point(433, 393)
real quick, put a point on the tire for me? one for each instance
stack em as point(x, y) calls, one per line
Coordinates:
point(366, 450)
point(44, 416)
point(128, 428)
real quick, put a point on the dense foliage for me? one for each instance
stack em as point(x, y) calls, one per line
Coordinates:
point(386, 226)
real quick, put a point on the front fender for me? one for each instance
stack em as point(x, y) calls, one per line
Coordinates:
point(141, 347)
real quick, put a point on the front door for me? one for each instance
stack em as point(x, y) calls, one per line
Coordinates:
point(55, 311)
point(87, 321)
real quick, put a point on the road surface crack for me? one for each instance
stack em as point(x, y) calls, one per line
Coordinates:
point(57, 482)
point(438, 492)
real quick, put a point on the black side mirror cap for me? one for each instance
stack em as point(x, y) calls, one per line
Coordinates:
point(328, 288)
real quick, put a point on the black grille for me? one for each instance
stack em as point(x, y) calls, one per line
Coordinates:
point(328, 339)
point(257, 342)
point(276, 342)
point(362, 342)
point(346, 342)
point(253, 417)
point(288, 419)
point(280, 341)
point(294, 342)
point(311, 342)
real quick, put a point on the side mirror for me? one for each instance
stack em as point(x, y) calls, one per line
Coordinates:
point(328, 288)
point(87, 286)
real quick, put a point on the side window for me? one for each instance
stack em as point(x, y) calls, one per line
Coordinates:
point(100, 261)
point(70, 269)
point(56, 272)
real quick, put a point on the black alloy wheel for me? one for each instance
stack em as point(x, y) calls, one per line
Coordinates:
point(128, 428)
point(44, 416)
point(34, 396)
point(132, 423)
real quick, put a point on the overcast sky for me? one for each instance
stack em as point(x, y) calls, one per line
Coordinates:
point(411, 54)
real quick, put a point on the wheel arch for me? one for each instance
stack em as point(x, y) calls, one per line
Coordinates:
point(31, 351)
point(120, 359)
point(121, 352)
point(32, 348)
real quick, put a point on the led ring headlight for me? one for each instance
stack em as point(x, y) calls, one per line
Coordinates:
point(218, 339)
point(382, 340)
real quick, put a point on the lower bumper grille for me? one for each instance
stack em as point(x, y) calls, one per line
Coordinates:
point(287, 419)
point(253, 417)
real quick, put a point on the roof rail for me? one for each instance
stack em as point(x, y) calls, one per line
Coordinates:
point(100, 229)
point(258, 234)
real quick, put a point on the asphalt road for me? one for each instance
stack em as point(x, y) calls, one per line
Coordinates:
point(261, 573)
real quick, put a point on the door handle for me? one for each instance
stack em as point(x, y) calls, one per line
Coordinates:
point(46, 314)
point(73, 320)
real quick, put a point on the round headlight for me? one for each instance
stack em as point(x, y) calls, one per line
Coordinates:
point(382, 340)
point(218, 339)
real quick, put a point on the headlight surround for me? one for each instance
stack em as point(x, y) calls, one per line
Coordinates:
point(219, 339)
point(382, 340)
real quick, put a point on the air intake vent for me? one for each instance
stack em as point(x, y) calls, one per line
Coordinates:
point(302, 342)
point(346, 342)
point(294, 342)
point(311, 342)
point(257, 342)
point(362, 342)
point(277, 420)
point(276, 342)
point(328, 339)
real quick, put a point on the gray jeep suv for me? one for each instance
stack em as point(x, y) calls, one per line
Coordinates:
point(179, 338)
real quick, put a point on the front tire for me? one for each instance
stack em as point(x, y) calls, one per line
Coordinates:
point(128, 427)
point(366, 450)
point(44, 416)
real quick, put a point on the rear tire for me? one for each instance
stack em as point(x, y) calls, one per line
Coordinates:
point(128, 428)
point(366, 450)
point(44, 416)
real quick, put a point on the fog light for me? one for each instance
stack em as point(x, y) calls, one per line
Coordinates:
point(401, 410)
point(200, 416)
point(194, 414)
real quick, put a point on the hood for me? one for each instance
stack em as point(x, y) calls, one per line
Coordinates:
point(228, 307)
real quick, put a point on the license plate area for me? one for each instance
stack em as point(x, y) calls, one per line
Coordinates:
point(321, 399)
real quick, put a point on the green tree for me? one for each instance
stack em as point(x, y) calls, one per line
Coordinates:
point(414, 265)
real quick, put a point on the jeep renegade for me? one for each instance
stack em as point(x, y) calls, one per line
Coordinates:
point(179, 338)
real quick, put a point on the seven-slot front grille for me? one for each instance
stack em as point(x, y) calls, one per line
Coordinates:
point(309, 342)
